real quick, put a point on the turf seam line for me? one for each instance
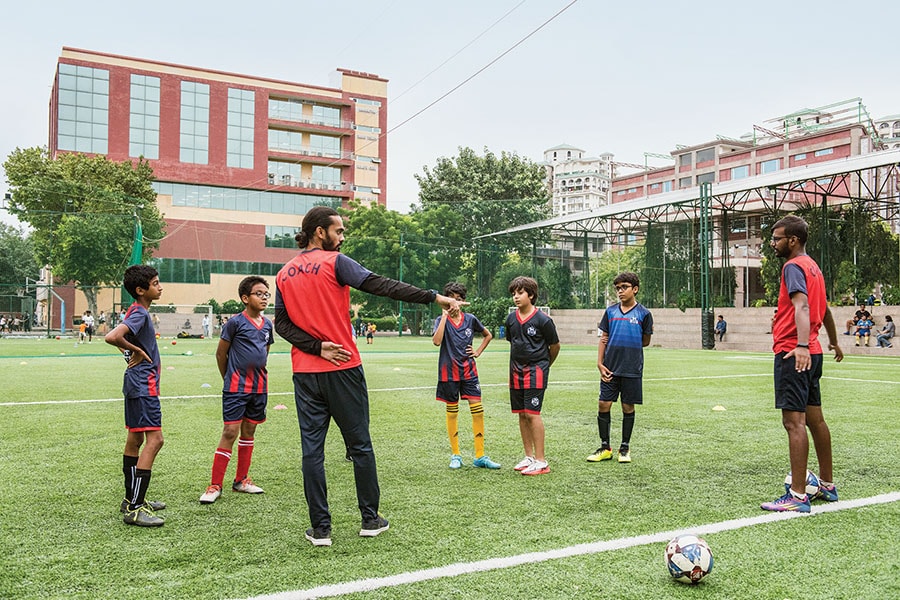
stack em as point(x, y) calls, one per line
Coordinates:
point(456, 569)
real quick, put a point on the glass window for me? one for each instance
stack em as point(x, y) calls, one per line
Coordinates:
point(143, 132)
point(770, 166)
point(824, 152)
point(241, 200)
point(706, 178)
point(194, 139)
point(685, 160)
point(706, 154)
point(799, 157)
point(740, 172)
point(684, 182)
point(327, 176)
point(325, 145)
point(285, 110)
point(667, 186)
point(326, 115)
point(83, 109)
point(240, 128)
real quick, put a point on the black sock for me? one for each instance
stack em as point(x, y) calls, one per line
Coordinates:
point(141, 483)
point(603, 421)
point(627, 427)
point(129, 464)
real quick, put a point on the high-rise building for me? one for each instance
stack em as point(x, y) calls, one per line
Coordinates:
point(577, 182)
point(237, 159)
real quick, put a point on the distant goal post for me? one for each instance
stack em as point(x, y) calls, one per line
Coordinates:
point(184, 320)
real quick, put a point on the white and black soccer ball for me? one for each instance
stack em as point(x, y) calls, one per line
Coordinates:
point(688, 558)
point(812, 483)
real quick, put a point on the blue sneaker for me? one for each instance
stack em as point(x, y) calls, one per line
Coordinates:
point(787, 503)
point(455, 461)
point(485, 462)
point(828, 494)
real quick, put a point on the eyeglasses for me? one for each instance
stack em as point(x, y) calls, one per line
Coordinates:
point(262, 295)
point(623, 287)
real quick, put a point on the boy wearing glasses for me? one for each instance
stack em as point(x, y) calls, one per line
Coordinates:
point(241, 355)
point(627, 327)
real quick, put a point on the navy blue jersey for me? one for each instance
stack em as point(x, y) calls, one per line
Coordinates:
point(529, 351)
point(625, 350)
point(246, 371)
point(143, 378)
point(453, 362)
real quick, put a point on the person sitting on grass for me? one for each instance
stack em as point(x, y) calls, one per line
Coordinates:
point(458, 376)
point(242, 355)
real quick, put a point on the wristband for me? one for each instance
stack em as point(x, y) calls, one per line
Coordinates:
point(803, 346)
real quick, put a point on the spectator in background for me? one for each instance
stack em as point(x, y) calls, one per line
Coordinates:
point(883, 339)
point(721, 327)
point(851, 323)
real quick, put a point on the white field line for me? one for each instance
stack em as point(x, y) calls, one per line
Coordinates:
point(400, 389)
point(491, 564)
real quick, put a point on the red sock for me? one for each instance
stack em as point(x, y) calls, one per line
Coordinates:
point(245, 452)
point(220, 465)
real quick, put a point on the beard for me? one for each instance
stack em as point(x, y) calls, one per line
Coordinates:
point(331, 244)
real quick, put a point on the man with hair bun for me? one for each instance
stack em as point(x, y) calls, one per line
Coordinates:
point(313, 297)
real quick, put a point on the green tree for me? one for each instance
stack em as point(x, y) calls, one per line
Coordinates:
point(17, 259)
point(612, 262)
point(487, 194)
point(82, 211)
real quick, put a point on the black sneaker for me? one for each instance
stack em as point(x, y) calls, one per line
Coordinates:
point(372, 527)
point(319, 536)
point(143, 516)
point(154, 505)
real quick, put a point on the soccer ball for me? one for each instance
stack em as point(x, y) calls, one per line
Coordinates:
point(688, 558)
point(812, 483)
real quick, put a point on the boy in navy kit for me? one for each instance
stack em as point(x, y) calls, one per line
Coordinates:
point(242, 355)
point(136, 338)
point(458, 376)
point(534, 345)
point(627, 327)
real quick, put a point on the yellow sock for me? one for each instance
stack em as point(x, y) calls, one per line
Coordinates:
point(453, 427)
point(478, 427)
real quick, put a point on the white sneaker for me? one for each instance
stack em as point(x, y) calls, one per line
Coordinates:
point(246, 486)
point(538, 467)
point(524, 464)
point(211, 494)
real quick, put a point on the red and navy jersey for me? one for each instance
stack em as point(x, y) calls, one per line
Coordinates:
point(453, 362)
point(143, 378)
point(314, 290)
point(246, 371)
point(799, 275)
point(529, 350)
point(624, 354)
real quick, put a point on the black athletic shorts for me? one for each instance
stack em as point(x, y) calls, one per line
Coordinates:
point(795, 391)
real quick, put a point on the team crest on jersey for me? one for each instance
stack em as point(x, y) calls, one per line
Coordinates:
point(531, 330)
point(634, 321)
point(535, 401)
point(468, 332)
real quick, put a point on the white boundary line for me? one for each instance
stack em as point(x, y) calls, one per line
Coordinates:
point(406, 389)
point(491, 564)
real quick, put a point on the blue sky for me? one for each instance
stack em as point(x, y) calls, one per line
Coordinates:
point(623, 77)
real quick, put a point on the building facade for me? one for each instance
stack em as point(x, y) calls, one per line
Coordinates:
point(577, 182)
point(237, 159)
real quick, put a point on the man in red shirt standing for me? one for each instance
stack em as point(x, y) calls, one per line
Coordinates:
point(802, 310)
point(313, 297)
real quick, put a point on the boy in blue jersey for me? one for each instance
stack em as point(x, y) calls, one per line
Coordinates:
point(533, 347)
point(454, 331)
point(627, 327)
point(242, 355)
point(136, 338)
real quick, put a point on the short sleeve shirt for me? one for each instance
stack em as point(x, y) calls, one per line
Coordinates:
point(247, 356)
point(453, 362)
point(625, 349)
point(529, 354)
point(143, 378)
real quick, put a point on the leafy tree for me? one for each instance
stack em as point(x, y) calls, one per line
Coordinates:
point(609, 264)
point(16, 256)
point(487, 194)
point(82, 210)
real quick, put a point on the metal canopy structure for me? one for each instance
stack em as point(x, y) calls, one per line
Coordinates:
point(869, 178)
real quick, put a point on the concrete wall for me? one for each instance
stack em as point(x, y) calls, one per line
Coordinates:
point(748, 328)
